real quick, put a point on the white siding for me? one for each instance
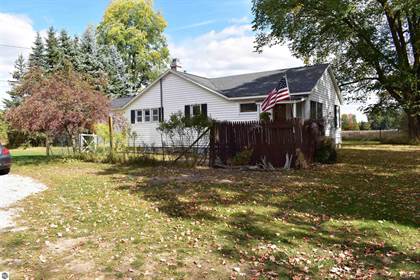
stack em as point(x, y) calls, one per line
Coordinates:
point(177, 93)
point(326, 93)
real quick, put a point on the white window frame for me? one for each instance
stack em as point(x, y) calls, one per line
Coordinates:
point(153, 115)
point(139, 113)
point(302, 110)
point(192, 110)
point(149, 116)
point(252, 112)
point(317, 112)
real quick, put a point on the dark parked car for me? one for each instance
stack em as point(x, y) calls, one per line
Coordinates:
point(5, 160)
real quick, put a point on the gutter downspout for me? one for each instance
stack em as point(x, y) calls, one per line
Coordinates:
point(162, 117)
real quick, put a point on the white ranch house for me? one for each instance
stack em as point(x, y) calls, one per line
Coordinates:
point(313, 89)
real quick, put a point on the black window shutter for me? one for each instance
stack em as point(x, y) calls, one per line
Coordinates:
point(313, 110)
point(204, 110)
point(187, 112)
point(133, 116)
point(161, 114)
point(335, 116)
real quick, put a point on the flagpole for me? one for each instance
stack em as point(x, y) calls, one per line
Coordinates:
point(287, 85)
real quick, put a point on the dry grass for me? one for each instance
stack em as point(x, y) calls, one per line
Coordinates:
point(358, 218)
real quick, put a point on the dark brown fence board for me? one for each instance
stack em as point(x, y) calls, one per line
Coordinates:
point(272, 140)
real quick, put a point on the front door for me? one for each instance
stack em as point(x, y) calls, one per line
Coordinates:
point(279, 112)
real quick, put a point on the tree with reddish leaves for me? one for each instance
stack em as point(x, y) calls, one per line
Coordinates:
point(62, 103)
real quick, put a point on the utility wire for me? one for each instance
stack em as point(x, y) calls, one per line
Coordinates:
point(12, 46)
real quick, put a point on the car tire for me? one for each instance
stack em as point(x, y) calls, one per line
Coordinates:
point(5, 171)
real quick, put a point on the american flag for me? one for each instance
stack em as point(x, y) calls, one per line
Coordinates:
point(281, 92)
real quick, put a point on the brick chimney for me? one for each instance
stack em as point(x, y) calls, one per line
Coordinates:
point(175, 64)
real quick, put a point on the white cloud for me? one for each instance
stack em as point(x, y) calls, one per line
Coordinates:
point(15, 30)
point(241, 20)
point(194, 25)
point(229, 51)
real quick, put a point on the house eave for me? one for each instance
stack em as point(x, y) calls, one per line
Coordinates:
point(176, 73)
point(335, 83)
point(161, 77)
point(264, 96)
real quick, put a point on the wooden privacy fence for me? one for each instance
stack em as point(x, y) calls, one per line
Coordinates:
point(272, 140)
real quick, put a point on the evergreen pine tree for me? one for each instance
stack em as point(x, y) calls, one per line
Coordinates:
point(77, 56)
point(118, 80)
point(92, 60)
point(17, 75)
point(52, 50)
point(20, 69)
point(65, 49)
point(37, 56)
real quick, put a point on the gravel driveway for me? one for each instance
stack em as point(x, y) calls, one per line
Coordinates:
point(12, 189)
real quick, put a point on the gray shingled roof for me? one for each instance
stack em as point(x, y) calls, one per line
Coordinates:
point(120, 102)
point(300, 80)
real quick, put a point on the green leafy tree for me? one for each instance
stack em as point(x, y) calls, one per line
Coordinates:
point(375, 44)
point(385, 117)
point(37, 56)
point(120, 133)
point(137, 32)
point(364, 125)
point(349, 122)
point(181, 131)
point(52, 50)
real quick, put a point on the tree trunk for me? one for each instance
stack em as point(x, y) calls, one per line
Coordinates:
point(48, 146)
point(73, 138)
point(74, 143)
point(414, 127)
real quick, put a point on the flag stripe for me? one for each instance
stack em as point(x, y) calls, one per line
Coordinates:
point(281, 92)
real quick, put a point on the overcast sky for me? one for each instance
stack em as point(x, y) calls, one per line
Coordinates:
point(211, 38)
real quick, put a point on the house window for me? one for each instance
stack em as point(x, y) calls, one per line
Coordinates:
point(155, 115)
point(248, 107)
point(195, 110)
point(319, 110)
point(147, 115)
point(316, 110)
point(139, 116)
point(299, 110)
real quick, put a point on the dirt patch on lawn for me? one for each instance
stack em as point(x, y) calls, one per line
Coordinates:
point(211, 268)
point(65, 245)
point(80, 266)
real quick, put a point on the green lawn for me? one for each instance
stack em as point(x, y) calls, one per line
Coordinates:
point(358, 218)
